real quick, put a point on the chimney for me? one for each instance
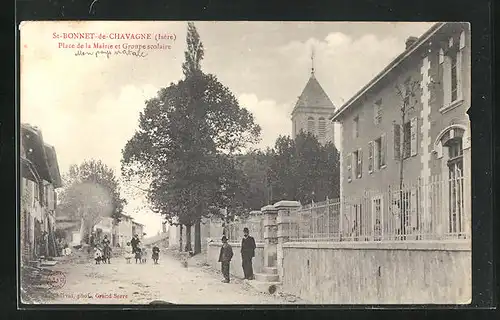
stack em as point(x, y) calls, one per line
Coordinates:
point(410, 41)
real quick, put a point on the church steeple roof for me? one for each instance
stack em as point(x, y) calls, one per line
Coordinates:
point(313, 95)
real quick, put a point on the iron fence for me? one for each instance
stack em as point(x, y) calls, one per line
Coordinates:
point(436, 210)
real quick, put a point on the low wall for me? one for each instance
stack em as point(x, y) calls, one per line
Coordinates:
point(213, 250)
point(378, 273)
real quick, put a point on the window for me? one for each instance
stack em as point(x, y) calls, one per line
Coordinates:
point(456, 185)
point(358, 163)
point(370, 157)
point(406, 140)
point(349, 167)
point(397, 141)
point(356, 127)
point(321, 127)
point(454, 80)
point(377, 112)
point(310, 125)
point(36, 192)
point(451, 67)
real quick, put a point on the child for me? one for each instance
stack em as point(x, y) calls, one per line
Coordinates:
point(144, 254)
point(97, 255)
point(156, 254)
point(138, 257)
point(128, 253)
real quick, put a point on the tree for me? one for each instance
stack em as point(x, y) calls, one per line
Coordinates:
point(185, 144)
point(90, 192)
point(403, 131)
point(254, 165)
point(303, 169)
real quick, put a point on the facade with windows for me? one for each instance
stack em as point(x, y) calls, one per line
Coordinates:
point(40, 177)
point(408, 129)
point(312, 111)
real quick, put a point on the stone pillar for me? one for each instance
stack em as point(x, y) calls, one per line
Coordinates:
point(286, 228)
point(270, 236)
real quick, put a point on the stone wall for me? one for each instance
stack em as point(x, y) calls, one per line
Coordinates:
point(213, 250)
point(378, 273)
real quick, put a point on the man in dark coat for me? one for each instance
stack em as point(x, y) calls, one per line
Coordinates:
point(135, 243)
point(225, 256)
point(247, 253)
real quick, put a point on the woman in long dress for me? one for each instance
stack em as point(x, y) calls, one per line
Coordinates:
point(128, 252)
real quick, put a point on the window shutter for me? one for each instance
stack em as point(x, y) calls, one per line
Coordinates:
point(349, 166)
point(413, 136)
point(383, 150)
point(397, 141)
point(413, 207)
point(370, 156)
point(446, 81)
point(360, 162)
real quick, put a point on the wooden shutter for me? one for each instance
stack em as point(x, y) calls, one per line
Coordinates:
point(413, 136)
point(360, 163)
point(370, 157)
point(383, 150)
point(349, 166)
point(397, 141)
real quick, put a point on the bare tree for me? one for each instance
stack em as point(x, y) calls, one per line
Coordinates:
point(407, 94)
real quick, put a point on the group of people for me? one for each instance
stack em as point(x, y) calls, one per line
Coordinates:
point(135, 250)
point(102, 251)
point(247, 253)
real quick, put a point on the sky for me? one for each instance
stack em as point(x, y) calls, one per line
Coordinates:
point(87, 106)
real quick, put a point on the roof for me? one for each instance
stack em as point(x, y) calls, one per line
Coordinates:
point(53, 166)
point(389, 69)
point(313, 95)
point(32, 141)
point(154, 239)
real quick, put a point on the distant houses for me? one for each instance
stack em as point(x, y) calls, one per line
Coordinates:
point(40, 177)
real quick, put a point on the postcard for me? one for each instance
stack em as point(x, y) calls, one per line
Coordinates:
point(212, 162)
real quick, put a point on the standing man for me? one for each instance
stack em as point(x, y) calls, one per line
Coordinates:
point(247, 253)
point(135, 242)
point(225, 256)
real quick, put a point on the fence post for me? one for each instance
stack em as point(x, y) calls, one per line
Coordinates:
point(270, 236)
point(285, 224)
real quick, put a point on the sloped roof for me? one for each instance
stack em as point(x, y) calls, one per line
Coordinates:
point(313, 95)
point(155, 239)
point(50, 151)
point(390, 68)
point(32, 141)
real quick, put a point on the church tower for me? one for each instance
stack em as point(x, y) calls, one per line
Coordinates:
point(313, 110)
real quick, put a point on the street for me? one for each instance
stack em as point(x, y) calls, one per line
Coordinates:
point(122, 283)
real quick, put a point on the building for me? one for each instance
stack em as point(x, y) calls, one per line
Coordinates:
point(40, 177)
point(138, 229)
point(104, 226)
point(123, 231)
point(432, 144)
point(70, 229)
point(312, 111)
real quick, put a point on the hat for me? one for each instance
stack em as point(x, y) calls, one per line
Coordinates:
point(245, 229)
point(224, 238)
